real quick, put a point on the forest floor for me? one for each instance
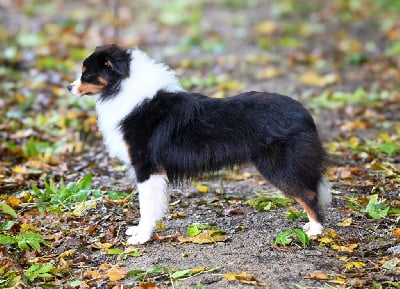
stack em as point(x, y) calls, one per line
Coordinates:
point(65, 204)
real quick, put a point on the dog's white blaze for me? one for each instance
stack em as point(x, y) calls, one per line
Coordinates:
point(138, 87)
point(153, 201)
point(75, 86)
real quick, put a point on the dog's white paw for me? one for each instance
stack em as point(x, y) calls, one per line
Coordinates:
point(138, 235)
point(313, 228)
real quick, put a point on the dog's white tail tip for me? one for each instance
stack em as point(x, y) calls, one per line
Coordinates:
point(324, 192)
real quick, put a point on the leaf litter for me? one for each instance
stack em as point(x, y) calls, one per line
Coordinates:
point(64, 205)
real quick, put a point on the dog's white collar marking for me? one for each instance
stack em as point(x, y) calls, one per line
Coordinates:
point(146, 78)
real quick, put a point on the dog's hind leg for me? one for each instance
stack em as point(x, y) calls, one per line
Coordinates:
point(153, 201)
point(296, 170)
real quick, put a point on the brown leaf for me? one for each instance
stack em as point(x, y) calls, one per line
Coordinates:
point(317, 276)
point(147, 285)
point(116, 273)
point(166, 237)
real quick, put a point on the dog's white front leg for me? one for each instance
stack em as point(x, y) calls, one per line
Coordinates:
point(153, 202)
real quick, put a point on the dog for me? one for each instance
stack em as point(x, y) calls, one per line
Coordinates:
point(167, 134)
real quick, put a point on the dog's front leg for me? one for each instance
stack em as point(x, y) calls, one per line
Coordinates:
point(153, 202)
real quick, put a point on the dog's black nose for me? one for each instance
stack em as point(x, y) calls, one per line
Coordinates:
point(69, 87)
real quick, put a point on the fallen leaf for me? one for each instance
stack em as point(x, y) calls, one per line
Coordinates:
point(244, 278)
point(269, 72)
point(202, 188)
point(358, 265)
point(354, 125)
point(266, 27)
point(147, 285)
point(317, 276)
point(13, 201)
point(166, 237)
point(206, 237)
point(345, 223)
point(396, 233)
point(311, 78)
point(116, 273)
point(342, 248)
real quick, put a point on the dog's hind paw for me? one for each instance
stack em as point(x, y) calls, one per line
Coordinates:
point(138, 235)
point(313, 228)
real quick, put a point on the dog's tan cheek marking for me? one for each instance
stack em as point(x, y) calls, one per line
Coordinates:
point(84, 69)
point(102, 80)
point(86, 88)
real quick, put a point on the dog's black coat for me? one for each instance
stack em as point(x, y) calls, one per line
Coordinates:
point(186, 134)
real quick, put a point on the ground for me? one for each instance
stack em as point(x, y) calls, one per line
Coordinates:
point(340, 59)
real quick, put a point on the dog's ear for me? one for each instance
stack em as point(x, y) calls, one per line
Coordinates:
point(119, 66)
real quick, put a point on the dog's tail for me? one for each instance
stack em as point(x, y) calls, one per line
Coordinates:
point(324, 192)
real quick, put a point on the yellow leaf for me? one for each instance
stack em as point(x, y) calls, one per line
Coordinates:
point(202, 188)
point(269, 72)
point(198, 270)
point(354, 125)
point(178, 215)
point(311, 78)
point(338, 280)
point(385, 137)
point(325, 240)
point(67, 253)
point(161, 226)
point(99, 245)
point(331, 233)
point(244, 278)
point(349, 249)
point(358, 265)
point(13, 201)
point(19, 169)
point(206, 237)
point(266, 27)
point(354, 141)
point(29, 227)
point(345, 223)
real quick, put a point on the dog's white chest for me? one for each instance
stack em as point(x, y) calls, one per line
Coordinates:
point(109, 116)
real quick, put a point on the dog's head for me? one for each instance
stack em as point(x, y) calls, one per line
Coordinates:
point(102, 72)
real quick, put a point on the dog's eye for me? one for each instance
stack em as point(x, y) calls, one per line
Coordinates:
point(87, 77)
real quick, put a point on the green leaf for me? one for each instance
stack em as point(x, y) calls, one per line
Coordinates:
point(266, 203)
point(376, 209)
point(7, 225)
point(30, 240)
point(284, 238)
point(36, 271)
point(115, 251)
point(86, 182)
point(7, 240)
point(181, 274)
point(7, 210)
point(193, 230)
point(294, 236)
point(294, 215)
point(302, 237)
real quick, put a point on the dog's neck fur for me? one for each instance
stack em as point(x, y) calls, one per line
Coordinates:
point(146, 78)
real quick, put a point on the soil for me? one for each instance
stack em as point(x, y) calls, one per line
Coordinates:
point(250, 244)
